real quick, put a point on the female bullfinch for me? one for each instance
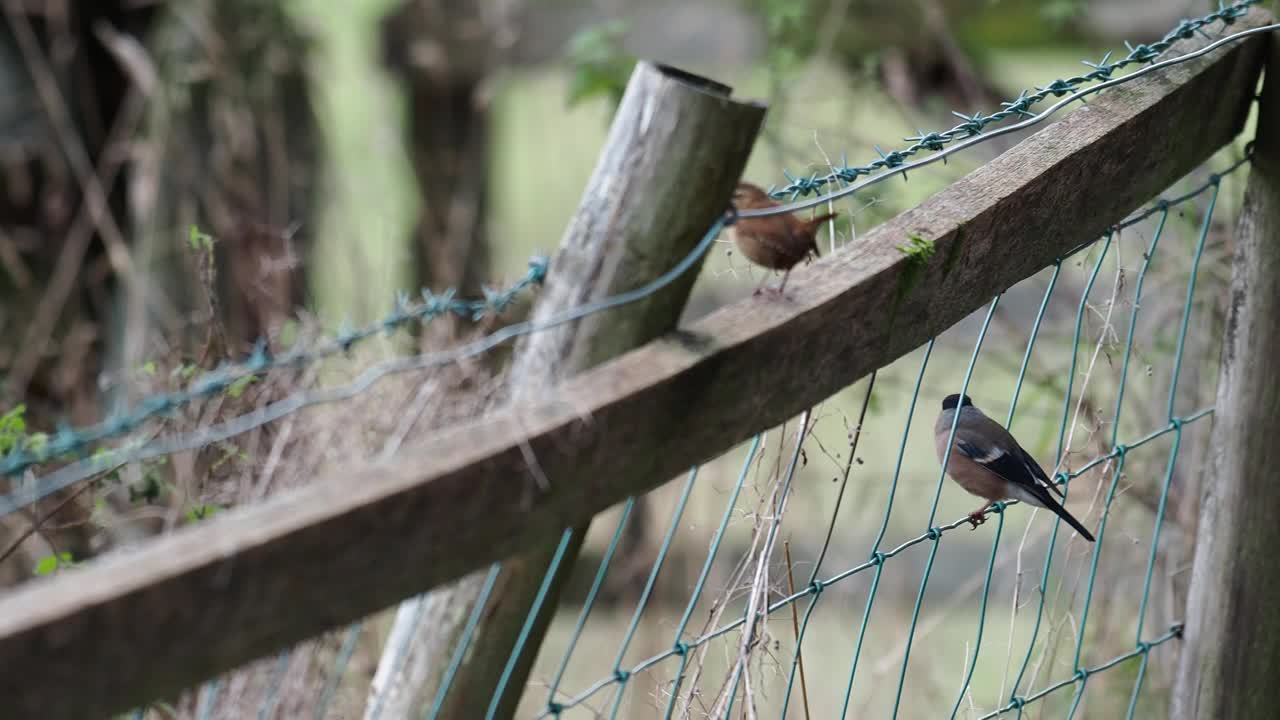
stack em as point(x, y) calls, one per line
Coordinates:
point(989, 463)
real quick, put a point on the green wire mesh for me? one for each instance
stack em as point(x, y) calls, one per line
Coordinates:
point(679, 656)
point(559, 703)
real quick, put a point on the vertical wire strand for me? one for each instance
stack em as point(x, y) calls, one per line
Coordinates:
point(496, 699)
point(816, 585)
point(1148, 257)
point(464, 641)
point(272, 696)
point(706, 571)
point(876, 556)
point(339, 669)
point(622, 675)
point(588, 604)
point(935, 535)
point(982, 610)
point(1173, 452)
point(770, 538)
point(1057, 522)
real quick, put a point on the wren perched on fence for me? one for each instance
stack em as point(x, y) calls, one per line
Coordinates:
point(777, 242)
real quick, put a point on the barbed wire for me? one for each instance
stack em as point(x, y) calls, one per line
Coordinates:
point(1018, 107)
point(67, 441)
point(901, 167)
point(79, 470)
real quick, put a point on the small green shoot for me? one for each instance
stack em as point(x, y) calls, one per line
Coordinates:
point(237, 388)
point(52, 563)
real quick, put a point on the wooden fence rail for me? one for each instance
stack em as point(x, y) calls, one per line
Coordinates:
point(138, 625)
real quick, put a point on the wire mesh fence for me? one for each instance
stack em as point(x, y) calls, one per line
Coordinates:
point(1072, 323)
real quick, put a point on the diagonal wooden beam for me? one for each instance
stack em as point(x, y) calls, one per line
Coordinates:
point(137, 625)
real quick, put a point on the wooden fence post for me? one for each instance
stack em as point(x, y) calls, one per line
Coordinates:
point(677, 146)
point(1231, 649)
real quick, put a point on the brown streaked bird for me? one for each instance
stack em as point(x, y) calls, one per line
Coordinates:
point(777, 242)
point(989, 463)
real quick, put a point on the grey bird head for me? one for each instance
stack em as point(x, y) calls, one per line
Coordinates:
point(951, 401)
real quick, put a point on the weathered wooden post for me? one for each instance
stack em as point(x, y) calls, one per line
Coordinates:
point(677, 146)
point(1231, 650)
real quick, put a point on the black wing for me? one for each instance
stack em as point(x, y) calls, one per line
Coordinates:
point(1020, 469)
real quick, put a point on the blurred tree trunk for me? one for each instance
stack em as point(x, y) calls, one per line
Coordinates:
point(65, 100)
point(445, 52)
point(231, 147)
point(63, 92)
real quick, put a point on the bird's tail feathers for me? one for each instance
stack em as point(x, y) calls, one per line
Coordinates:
point(1061, 512)
point(813, 224)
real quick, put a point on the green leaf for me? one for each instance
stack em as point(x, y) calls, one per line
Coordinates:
point(600, 66)
point(13, 428)
point(50, 563)
point(184, 371)
point(200, 512)
point(198, 240)
point(237, 388)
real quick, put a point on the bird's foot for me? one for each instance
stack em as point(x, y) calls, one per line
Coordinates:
point(976, 518)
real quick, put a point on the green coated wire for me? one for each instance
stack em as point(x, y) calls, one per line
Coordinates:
point(1066, 407)
point(902, 449)
point(682, 649)
point(619, 673)
point(1133, 323)
point(339, 669)
point(588, 604)
point(556, 708)
point(1097, 550)
point(933, 511)
point(1031, 343)
point(1137, 684)
point(876, 555)
point(675, 683)
point(1123, 452)
point(875, 562)
point(1191, 287)
point(269, 702)
point(770, 538)
point(934, 533)
point(826, 543)
point(1022, 376)
point(565, 538)
point(844, 479)
point(464, 641)
point(982, 610)
point(1019, 703)
point(1155, 539)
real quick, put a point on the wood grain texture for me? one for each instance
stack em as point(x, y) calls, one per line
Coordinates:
point(637, 220)
point(1231, 638)
point(136, 625)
